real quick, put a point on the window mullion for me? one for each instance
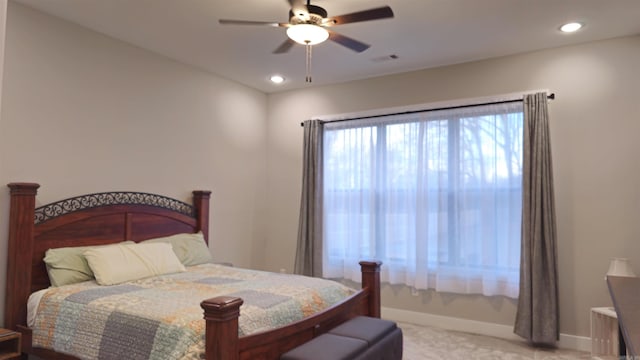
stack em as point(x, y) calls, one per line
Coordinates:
point(380, 191)
point(453, 166)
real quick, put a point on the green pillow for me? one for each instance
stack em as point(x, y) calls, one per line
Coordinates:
point(68, 265)
point(191, 249)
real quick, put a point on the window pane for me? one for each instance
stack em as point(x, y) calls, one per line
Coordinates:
point(436, 196)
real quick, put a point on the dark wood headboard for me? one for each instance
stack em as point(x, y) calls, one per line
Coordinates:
point(94, 219)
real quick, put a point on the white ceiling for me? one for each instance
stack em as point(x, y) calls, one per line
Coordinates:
point(423, 33)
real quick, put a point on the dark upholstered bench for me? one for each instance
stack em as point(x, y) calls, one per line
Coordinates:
point(361, 338)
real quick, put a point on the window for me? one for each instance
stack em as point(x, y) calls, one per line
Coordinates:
point(435, 195)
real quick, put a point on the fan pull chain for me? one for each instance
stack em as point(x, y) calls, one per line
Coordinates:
point(308, 53)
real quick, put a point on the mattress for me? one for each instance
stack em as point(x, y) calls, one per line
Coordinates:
point(161, 318)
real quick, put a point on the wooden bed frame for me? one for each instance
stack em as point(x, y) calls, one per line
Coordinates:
point(106, 218)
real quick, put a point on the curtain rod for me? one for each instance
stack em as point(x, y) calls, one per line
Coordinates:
point(551, 96)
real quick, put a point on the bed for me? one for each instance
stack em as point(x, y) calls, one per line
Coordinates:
point(108, 218)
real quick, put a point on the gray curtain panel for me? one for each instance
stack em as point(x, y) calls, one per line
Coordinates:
point(309, 248)
point(537, 313)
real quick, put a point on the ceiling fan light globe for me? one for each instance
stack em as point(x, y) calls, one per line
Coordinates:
point(307, 34)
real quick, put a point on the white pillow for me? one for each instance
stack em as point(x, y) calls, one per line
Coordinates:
point(117, 264)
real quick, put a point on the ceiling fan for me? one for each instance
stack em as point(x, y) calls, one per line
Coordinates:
point(308, 25)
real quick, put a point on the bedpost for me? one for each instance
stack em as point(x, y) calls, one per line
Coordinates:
point(371, 280)
point(19, 253)
point(221, 334)
point(201, 204)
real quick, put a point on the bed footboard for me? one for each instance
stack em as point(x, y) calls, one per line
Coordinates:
point(221, 334)
point(221, 315)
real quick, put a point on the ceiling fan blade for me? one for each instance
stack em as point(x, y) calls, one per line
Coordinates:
point(249, 22)
point(366, 15)
point(284, 47)
point(346, 41)
point(299, 9)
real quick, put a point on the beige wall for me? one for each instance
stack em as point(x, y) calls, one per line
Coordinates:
point(3, 23)
point(3, 244)
point(85, 113)
point(595, 123)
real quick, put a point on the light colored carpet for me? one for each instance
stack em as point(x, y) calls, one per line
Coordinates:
point(430, 343)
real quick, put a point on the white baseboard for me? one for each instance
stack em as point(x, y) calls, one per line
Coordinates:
point(573, 342)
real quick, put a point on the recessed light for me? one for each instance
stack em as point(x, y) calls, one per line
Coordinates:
point(277, 79)
point(571, 27)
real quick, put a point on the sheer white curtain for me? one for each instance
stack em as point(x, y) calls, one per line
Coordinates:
point(435, 195)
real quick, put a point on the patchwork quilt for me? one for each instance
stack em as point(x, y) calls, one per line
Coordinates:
point(161, 318)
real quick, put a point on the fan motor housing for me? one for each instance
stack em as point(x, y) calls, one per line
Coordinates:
point(316, 15)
